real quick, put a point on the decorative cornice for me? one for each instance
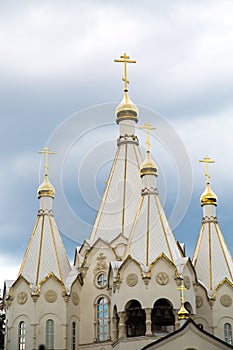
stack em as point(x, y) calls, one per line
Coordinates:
point(127, 139)
point(49, 212)
point(151, 190)
point(209, 219)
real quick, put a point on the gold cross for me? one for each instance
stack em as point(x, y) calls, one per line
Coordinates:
point(182, 289)
point(148, 127)
point(46, 151)
point(125, 59)
point(207, 160)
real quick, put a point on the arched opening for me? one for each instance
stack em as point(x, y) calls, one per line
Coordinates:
point(135, 320)
point(115, 321)
point(162, 317)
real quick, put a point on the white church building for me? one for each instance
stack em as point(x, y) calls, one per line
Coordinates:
point(131, 286)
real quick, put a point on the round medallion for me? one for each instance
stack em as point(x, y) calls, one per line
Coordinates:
point(75, 298)
point(132, 280)
point(187, 282)
point(50, 296)
point(22, 298)
point(226, 300)
point(162, 278)
point(101, 280)
point(199, 301)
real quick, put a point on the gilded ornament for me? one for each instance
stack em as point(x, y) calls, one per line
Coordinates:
point(162, 278)
point(132, 280)
point(101, 263)
point(199, 301)
point(22, 298)
point(226, 300)
point(187, 282)
point(75, 298)
point(50, 296)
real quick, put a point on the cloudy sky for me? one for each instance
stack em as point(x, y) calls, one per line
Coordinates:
point(60, 86)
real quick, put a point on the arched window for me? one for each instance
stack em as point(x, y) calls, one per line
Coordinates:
point(135, 319)
point(228, 333)
point(102, 308)
point(22, 338)
point(73, 335)
point(162, 317)
point(49, 334)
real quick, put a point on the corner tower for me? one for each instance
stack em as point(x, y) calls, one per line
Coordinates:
point(212, 259)
point(45, 254)
point(36, 303)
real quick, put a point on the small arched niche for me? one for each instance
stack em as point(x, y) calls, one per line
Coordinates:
point(162, 317)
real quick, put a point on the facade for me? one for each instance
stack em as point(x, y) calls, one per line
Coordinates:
point(131, 285)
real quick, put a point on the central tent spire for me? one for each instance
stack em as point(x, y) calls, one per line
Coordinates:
point(122, 192)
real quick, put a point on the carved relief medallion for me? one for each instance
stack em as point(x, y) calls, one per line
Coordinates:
point(22, 298)
point(132, 280)
point(50, 296)
point(187, 282)
point(226, 300)
point(162, 278)
point(199, 301)
point(75, 298)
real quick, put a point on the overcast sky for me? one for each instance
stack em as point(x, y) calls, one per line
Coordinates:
point(60, 86)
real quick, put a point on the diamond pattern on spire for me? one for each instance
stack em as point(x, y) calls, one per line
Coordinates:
point(45, 253)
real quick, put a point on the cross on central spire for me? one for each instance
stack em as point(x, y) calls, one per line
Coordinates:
point(46, 151)
point(125, 59)
point(148, 127)
point(207, 160)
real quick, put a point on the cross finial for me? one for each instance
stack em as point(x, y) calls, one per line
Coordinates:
point(182, 313)
point(148, 127)
point(46, 151)
point(125, 59)
point(207, 160)
point(182, 289)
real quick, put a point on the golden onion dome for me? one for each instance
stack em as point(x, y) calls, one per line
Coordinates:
point(208, 196)
point(148, 167)
point(126, 110)
point(46, 189)
point(183, 314)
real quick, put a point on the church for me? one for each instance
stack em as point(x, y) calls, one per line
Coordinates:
point(131, 285)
